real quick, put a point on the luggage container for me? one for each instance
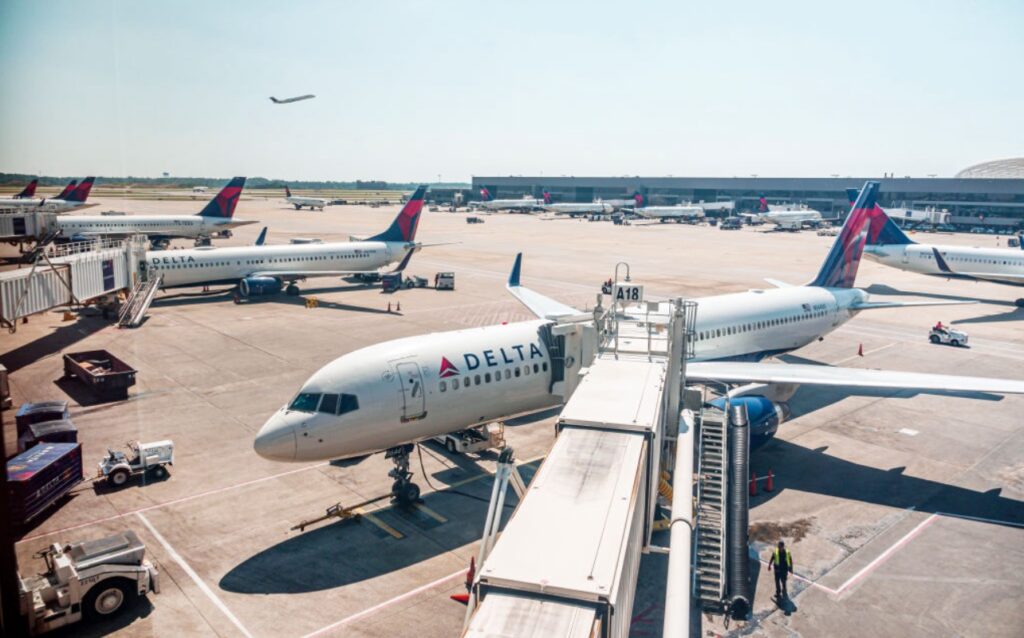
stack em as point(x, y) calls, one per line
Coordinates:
point(39, 477)
point(108, 376)
point(61, 431)
point(39, 412)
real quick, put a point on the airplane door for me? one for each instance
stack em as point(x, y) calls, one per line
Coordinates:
point(414, 397)
point(906, 255)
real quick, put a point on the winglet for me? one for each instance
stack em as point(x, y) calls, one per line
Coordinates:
point(941, 262)
point(405, 261)
point(275, 100)
point(262, 238)
point(517, 268)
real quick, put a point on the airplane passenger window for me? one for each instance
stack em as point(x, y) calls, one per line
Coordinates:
point(544, 366)
point(349, 403)
point(329, 404)
point(443, 386)
point(305, 402)
point(476, 379)
point(508, 373)
point(526, 369)
point(517, 371)
point(468, 381)
point(487, 377)
point(455, 384)
point(536, 368)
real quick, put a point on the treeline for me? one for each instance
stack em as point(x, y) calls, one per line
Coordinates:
point(20, 179)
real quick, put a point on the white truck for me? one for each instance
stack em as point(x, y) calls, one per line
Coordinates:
point(91, 579)
point(483, 437)
point(947, 335)
point(146, 458)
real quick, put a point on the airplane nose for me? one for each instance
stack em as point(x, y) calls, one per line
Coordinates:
point(276, 440)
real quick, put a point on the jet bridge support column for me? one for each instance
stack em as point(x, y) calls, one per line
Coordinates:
point(739, 512)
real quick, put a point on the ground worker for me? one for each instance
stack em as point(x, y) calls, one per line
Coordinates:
point(783, 562)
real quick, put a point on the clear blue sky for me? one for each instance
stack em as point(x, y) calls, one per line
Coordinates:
point(410, 90)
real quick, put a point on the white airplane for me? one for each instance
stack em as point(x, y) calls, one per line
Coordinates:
point(575, 208)
point(299, 202)
point(29, 191)
point(262, 270)
point(489, 203)
point(72, 197)
point(892, 247)
point(389, 395)
point(787, 216)
point(679, 213)
point(215, 220)
point(289, 100)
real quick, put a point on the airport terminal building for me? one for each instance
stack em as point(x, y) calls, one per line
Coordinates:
point(972, 201)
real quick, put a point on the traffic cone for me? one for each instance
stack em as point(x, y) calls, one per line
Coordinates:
point(769, 483)
point(389, 306)
point(860, 350)
point(753, 483)
point(398, 306)
point(460, 598)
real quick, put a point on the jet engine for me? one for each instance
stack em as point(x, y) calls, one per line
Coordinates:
point(764, 416)
point(259, 286)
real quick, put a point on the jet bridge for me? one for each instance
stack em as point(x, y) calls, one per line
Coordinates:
point(568, 560)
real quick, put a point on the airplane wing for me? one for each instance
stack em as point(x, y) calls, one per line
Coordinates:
point(804, 374)
point(875, 305)
point(778, 283)
point(236, 223)
point(543, 307)
point(308, 274)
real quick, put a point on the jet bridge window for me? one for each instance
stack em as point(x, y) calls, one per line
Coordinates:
point(305, 402)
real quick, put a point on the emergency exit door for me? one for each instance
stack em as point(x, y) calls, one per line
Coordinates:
point(414, 401)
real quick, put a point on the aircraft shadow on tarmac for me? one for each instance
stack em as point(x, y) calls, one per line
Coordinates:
point(1016, 314)
point(226, 295)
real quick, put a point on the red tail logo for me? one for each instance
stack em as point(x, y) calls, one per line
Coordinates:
point(448, 368)
point(547, 197)
point(486, 194)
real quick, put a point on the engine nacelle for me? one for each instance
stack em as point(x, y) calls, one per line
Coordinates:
point(764, 416)
point(259, 286)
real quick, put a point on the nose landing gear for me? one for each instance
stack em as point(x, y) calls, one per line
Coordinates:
point(403, 490)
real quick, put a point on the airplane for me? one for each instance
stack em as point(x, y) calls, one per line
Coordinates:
point(680, 213)
point(29, 191)
point(299, 202)
point(489, 203)
point(289, 100)
point(892, 247)
point(71, 198)
point(786, 216)
point(575, 208)
point(387, 396)
point(216, 219)
point(261, 270)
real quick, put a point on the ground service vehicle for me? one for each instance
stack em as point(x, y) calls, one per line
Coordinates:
point(149, 458)
point(92, 579)
point(731, 223)
point(108, 376)
point(40, 476)
point(444, 281)
point(948, 336)
point(478, 439)
point(474, 220)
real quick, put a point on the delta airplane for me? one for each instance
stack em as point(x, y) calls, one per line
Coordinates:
point(262, 270)
point(573, 208)
point(680, 213)
point(290, 100)
point(892, 247)
point(299, 202)
point(71, 198)
point(788, 216)
point(489, 203)
point(389, 395)
point(215, 220)
point(29, 191)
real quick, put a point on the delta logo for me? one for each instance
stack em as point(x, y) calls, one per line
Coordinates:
point(491, 359)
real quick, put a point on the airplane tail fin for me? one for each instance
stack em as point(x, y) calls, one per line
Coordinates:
point(223, 205)
point(67, 189)
point(639, 199)
point(485, 194)
point(865, 219)
point(80, 193)
point(547, 197)
point(29, 190)
point(404, 226)
point(287, 191)
point(762, 203)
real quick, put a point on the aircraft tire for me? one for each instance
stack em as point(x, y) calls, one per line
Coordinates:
point(292, 290)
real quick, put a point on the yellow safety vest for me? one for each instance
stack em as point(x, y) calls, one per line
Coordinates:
point(789, 559)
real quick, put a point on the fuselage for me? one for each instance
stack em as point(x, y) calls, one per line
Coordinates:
point(200, 266)
point(312, 202)
point(671, 212)
point(569, 208)
point(526, 203)
point(418, 387)
point(792, 218)
point(41, 204)
point(1000, 265)
point(171, 225)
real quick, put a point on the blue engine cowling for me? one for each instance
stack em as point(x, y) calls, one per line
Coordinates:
point(764, 416)
point(259, 286)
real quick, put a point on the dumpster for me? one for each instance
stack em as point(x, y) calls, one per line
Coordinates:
point(108, 376)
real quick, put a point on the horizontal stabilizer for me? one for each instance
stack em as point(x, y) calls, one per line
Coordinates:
point(543, 307)
point(777, 283)
point(804, 374)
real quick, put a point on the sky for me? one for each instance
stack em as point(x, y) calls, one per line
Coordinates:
point(446, 90)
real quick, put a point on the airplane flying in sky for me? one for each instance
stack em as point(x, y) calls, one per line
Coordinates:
point(388, 395)
point(71, 198)
point(263, 270)
point(28, 191)
point(216, 219)
point(289, 100)
point(892, 247)
point(299, 202)
point(522, 204)
point(575, 208)
point(679, 213)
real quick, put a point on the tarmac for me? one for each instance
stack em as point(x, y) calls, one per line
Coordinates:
point(904, 512)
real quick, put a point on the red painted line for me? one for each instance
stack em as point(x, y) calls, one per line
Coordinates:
point(172, 502)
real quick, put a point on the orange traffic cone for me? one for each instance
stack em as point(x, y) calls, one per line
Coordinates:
point(753, 483)
point(460, 598)
point(769, 483)
point(398, 306)
point(860, 350)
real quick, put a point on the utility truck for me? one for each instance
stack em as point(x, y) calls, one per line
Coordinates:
point(143, 458)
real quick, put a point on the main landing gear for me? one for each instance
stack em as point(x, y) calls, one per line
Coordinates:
point(403, 490)
point(1020, 302)
point(292, 290)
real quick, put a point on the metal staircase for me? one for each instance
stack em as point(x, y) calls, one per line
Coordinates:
point(134, 309)
point(711, 509)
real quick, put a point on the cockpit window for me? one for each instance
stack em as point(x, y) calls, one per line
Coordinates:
point(305, 402)
point(348, 403)
point(329, 404)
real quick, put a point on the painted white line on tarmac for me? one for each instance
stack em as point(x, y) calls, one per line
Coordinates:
point(176, 557)
point(887, 553)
